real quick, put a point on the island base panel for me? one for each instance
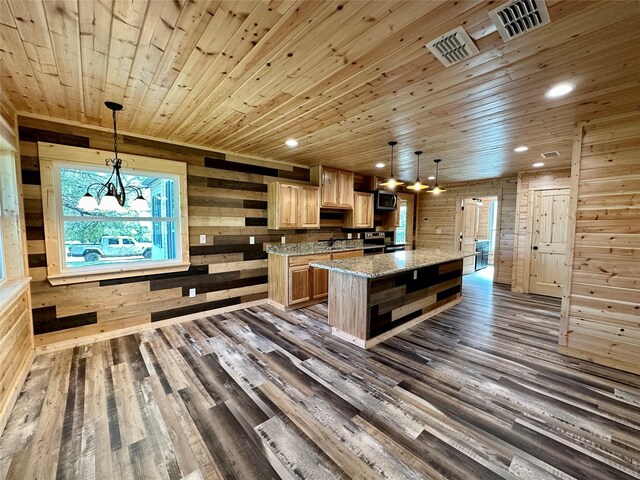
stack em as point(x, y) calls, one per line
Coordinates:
point(366, 311)
point(396, 330)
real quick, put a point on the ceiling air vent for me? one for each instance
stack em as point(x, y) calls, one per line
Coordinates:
point(550, 154)
point(453, 47)
point(517, 17)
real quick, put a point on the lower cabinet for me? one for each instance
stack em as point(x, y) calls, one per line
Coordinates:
point(299, 284)
point(292, 281)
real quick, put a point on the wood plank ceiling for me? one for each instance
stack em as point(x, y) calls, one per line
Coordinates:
point(342, 77)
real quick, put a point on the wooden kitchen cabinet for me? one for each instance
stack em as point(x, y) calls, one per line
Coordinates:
point(319, 283)
point(362, 214)
point(293, 283)
point(292, 206)
point(336, 187)
point(309, 207)
point(299, 284)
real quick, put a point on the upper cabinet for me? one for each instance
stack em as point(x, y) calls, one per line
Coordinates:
point(362, 214)
point(336, 187)
point(293, 206)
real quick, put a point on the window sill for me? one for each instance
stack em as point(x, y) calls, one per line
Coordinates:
point(10, 290)
point(83, 277)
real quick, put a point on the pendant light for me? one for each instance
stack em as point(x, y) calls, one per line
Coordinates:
point(418, 185)
point(391, 182)
point(111, 196)
point(436, 188)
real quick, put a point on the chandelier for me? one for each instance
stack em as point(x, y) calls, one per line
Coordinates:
point(111, 195)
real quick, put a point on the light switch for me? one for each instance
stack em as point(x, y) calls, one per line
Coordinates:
point(283, 239)
point(252, 240)
point(203, 239)
point(192, 292)
point(349, 236)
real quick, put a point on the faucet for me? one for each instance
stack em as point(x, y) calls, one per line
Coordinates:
point(331, 241)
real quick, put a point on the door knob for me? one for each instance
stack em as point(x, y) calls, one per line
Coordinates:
point(535, 248)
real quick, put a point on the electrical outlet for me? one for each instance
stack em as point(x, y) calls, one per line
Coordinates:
point(415, 274)
point(283, 239)
point(438, 231)
point(252, 240)
point(349, 236)
point(192, 292)
point(203, 239)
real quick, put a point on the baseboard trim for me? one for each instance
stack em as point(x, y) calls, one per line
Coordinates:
point(89, 339)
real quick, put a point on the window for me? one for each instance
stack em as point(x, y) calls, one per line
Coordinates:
point(401, 230)
point(105, 244)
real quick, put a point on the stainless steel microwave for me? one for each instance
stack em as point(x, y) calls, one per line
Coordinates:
point(386, 200)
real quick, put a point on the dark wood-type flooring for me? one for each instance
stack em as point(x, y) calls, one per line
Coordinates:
point(476, 392)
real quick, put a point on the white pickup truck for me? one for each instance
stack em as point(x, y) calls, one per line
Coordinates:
point(110, 247)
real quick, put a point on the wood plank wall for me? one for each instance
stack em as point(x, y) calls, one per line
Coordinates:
point(601, 311)
point(16, 338)
point(440, 211)
point(227, 203)
point(555, 179)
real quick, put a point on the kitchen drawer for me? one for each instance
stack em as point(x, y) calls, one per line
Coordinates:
point(306, 259)
point(349, 254)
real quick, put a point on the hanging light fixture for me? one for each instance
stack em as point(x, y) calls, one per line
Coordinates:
point(418, 185)
point(391, 182)
point(436, 188)
point(112, 195)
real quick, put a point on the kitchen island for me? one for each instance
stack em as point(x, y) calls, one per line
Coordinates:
point(374, 298)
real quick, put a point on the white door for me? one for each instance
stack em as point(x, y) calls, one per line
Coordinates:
point(548, 241)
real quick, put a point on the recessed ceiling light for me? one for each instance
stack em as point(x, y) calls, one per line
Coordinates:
point(520, 149)
point(538, 164)
point(292, 142)
point(379, 165)
point(431, 178)
point(559, 90)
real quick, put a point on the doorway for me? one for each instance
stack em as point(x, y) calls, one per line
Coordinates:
point(478, 233)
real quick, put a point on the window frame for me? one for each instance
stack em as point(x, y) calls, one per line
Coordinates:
point(3, 262)
point(53, 158)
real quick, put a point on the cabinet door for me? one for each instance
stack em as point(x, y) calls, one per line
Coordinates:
point(330, 187)
point(363, 210)
point(319, 282)
point(309, 207)
point(299, 284)
point(345, 189)
point(289, 206)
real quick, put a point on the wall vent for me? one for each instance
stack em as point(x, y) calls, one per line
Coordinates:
point(517, 17)
point(550, 154)
point(453, 47)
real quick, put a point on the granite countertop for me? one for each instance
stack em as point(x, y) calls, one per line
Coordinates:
point(389, 263)
point(314, 248)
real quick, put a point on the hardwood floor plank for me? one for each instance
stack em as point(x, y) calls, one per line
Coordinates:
point(478, 391)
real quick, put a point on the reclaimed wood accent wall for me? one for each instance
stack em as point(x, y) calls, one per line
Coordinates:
point(438, 213)
point(227, 198)
point(601, 310)
point(555, 179)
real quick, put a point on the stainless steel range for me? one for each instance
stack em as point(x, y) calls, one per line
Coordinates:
point(383, 240)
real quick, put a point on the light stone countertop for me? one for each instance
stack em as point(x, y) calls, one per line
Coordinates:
point(314, 248)
point(375, 266)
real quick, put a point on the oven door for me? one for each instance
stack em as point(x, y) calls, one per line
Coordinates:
point(393, 248)
point(374, 251)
